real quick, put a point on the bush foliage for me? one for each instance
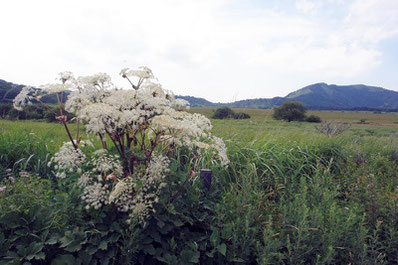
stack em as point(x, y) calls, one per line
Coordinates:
point(313, 118)
point(32, 112)
point(290, 111)
point(228, 113)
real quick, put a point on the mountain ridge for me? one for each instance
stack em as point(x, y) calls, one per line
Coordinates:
point(320, 96)
point(324, 96)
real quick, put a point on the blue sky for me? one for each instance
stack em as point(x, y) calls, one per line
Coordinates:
point(222, 50)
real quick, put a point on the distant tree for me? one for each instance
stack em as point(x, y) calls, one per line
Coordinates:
point(290, 111)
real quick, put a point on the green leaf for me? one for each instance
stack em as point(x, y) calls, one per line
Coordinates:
point(236, 260)
point(91, 250)
point(52, 240)
point(114, 238)
point(12, 254)
point(190, 256)
point(64, 260)
point(85, 257)
point(103, 245)
point(169, 259)
point(160, 223)
point(149, 249)
point(156, 237)
point(178, 223)
point(222, 249)
point(40, 255)
point(74, 246)
point(214, 238)
point(2, 238)
point(65, 241)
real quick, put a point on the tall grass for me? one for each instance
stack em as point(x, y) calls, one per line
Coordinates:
point(289, 195)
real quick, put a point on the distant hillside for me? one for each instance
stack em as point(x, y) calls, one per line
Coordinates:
point(197, 102)
point(8, 91)
point(326, 96)
point(317, 96)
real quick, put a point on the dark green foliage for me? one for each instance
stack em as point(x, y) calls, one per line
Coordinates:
point(32, 112)
point(290, 111)
point(313, 118)
point(241, 115)
point(223, 113)
point(4, 110)
point(227, 113)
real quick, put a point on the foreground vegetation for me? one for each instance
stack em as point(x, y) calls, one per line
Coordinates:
point(289, 196)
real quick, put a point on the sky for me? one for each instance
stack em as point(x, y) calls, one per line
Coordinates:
point(221, 50)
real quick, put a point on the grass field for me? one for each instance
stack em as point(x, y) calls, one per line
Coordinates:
point(289, 196)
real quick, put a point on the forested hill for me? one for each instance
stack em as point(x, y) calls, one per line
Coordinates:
point(326, 97)
point(339, 97)
point(316, 96)
point(8, 91)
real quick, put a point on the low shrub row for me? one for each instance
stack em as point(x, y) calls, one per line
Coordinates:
point(227, 113)
point(32, 112)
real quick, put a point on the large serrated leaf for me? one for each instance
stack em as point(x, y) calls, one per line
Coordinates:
point(74, 246)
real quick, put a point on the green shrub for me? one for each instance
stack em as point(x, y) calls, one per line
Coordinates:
point(290, 111)
point(223, 113)
point(313, 118)
point(29, 220)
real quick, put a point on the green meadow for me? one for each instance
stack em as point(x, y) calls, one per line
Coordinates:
point(290, 195)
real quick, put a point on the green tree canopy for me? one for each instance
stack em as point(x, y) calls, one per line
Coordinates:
point(290, 111)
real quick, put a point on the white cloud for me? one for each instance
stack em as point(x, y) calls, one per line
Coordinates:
point(200, 48)
point(372, 20)
point(307, 6)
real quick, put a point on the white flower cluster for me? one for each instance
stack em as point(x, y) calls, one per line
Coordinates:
point(136, 194)
point(190, 130)
point(151, 184)
point(143, 72)
point(143, 123)
point(25, 97)
point(67, 160)
point(102, 169)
